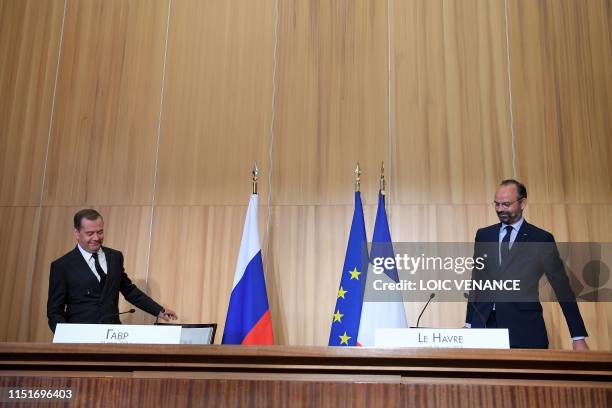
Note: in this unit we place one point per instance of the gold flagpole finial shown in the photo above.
(357, 177)
(382, 178)
(255, 176)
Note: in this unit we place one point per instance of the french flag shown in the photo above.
(248, 315)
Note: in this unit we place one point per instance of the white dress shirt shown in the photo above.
(515, 229)
(91, 261)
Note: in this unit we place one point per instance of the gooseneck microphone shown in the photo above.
(116, 314)
(433, 295)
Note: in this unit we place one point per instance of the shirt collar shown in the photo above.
(87, 254)
(516, 226)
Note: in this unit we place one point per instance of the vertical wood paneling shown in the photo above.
(331, 111)
(450, 118)
(331, 100)
(307, 249)
(18, 231)
(217, 102)
(125, 228)
(29, 41)
(193, 259)
(103, 139)
(561, 53)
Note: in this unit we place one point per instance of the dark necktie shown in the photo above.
(99, 269)
(505, 244)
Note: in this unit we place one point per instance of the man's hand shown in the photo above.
(167, 315)
(580, 345)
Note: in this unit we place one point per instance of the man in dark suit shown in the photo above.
(517, 250)
(84, 284)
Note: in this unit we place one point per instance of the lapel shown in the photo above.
(109, 269)
(79, 264)
(493, 233)
(491, 244)
(521, 237)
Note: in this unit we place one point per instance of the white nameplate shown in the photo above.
(443, 338)
(116, 333)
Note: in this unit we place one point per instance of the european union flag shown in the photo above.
(347, 314)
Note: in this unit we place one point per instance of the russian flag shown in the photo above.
(248, 315)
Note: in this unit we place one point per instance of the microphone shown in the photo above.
(117, 314)
(433, 295)
(466, 296)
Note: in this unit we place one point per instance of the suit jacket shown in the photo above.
(76, 296)
(534, 253)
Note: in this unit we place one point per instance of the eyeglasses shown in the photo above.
(506, 204)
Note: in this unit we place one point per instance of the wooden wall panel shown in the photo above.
(104, 134)
(128, 230)
(125, 228)
(16, 258)
(597, 319)
(217, 101)
(307, 249)
(439, 223)
(29, 41)
(193, 259)
(331, 112)
(451, 139)
(331, 100)
(561, 52)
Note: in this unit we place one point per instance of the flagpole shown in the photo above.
(248, 318)
(382, 178)
(346, 317)
(357, 177)
(255, 173)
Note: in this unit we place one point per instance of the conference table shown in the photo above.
(215, 375)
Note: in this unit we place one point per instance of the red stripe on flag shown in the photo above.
(261, 333)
